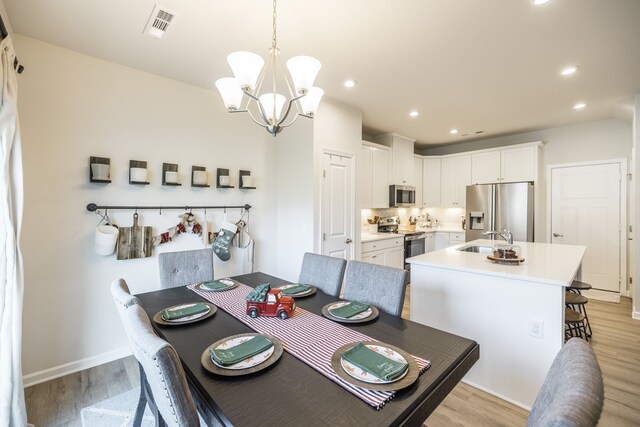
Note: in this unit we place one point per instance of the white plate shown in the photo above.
(295, 295)
(188, 318)
(368, 312)
(246, 363)
(361, 375)
(230, 284)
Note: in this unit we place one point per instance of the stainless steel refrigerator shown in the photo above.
(498, 207)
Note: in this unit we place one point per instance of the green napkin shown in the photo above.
(374, 363)
(349, 310)
(240, 352)
(214, 285)
(298, 289)
(196, 308)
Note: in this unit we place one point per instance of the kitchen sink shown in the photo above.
(478, 249)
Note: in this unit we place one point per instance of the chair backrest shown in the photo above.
(573, 392)
(162, 368)
(122, 296)
(185, 268)
(377, 285)
(323, 272)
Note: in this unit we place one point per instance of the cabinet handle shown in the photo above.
(558, 235)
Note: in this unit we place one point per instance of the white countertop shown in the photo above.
(445, 229)
(544, 262)
(372, 237)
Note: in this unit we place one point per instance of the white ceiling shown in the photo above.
(490, 65)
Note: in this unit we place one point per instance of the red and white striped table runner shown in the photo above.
(307, 336)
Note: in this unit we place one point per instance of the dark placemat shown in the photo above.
(311, 291)
(208, 364)
(160, 321)
(325, 312)
(200, 286)
(412, 374)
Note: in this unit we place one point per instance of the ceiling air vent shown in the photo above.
(159, 21)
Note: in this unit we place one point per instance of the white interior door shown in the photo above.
(586, 210)
(337, 206)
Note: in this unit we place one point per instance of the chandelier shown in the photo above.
(249, 70)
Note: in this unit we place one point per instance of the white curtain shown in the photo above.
(12, 408)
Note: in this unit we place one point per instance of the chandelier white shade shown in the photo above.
(246, 67)
(303, 70)
(271, 110)
(230, 91)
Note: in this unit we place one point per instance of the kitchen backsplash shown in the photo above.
(447, 217)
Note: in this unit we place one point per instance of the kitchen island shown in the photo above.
(514, 312)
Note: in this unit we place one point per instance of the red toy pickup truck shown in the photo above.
(264, 301)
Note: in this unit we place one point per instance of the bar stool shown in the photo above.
(576, 288)
(575, 324)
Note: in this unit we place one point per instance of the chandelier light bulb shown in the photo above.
(246, 67)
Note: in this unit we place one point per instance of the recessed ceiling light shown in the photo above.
(579, 106)
(414, 113)
(567, 71)
(349, 83)
(453, 131)
(538, 2)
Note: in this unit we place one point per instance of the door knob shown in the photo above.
(558, 235)
(348, 241)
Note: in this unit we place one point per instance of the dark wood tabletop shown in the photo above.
(292, 393)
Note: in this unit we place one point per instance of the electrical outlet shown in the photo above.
(536, 327)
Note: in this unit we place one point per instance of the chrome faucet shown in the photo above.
(506, 235)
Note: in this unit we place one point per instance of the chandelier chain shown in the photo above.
(274, 42)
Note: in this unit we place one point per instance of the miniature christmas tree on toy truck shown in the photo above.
(264, 301)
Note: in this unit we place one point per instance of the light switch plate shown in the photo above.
(536, 328)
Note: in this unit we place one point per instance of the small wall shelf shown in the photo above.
(199, 168)
(169, 167)
(100, 161)
(223, 172)
(137, 164)
(240, 175)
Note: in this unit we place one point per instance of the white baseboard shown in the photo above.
(498, 395)
(636, 315)
(75, 366)
(602, 295)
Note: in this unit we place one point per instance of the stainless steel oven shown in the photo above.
(402, 196)
(414, 244)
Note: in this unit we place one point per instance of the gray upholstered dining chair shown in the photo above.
(573, 391)
(164, 374)
(381, 286)
(185, 267)
(323, 272)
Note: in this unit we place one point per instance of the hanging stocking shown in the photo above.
(221, 246)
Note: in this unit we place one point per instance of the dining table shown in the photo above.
(292, 393)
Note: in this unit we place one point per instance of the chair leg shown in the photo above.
(142, 400)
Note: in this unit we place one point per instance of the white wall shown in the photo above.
(294, 197)
(73, 106)
(337, 127)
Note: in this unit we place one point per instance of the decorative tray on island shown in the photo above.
(506, 254)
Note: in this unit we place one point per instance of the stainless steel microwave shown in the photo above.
(402, 196)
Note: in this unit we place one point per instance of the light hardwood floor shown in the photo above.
(616, 343)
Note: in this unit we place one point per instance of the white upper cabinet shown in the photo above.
(418, 181)
(485, 167)
(505, 165)
(375, 167)
(519, 164)
(401, 157)
(431, 183)
(456, 175)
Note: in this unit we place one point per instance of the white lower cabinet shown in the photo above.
(444, 239)
(430, 242)
(388, 252)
